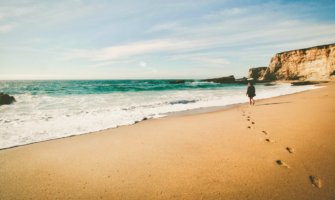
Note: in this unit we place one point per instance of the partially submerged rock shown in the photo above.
(243, 80)
(307, 83)
(269, 84)
(177, 82)
(5, 99)
(227, 79)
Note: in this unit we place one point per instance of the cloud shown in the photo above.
(47, 13)
(216, 61)
(131, 49)
(115, 35)
(6, 28)
(240, 29)
(208, 59)
(233, 11)
(18, 11)
(163, 27)
(136, 48)
(247, 33)
(229, 12)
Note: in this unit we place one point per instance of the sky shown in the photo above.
(153, 39)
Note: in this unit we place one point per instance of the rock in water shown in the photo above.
(298, 83)
(177, 82)
(6, 99)
(227, 79)
(243, 80)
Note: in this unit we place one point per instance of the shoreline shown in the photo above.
(190, 112)
(195, 111)
(217, 155)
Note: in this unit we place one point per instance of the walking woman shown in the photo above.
(251, 92)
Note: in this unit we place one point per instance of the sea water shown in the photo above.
(53, 109)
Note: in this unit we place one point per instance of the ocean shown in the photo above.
(60, 108)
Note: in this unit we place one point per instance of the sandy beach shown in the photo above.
(281, 148)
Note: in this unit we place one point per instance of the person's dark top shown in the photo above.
(251, 92)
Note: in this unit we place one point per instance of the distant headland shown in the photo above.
(311, 65)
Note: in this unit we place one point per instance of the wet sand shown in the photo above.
(281, 148)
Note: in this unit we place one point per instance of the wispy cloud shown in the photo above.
(164, 27)
(137, 48)
(209, 60)
(210, 37)
(6, 28)
(44, 13)
(229, 12)
(158, 37)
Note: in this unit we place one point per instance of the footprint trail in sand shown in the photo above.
(282, 163)
(315, 181)
(269, 140)
(290, 149)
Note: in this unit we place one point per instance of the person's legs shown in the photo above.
(251, 101)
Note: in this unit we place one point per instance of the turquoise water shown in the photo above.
(53, 109)
(83, 87)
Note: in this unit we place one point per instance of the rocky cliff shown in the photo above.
(257, 72)
(315, 63)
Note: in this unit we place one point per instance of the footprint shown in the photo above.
(248, 119)
(282, 163)
(268, 140)
(252, 122)
(249, 126)
(290, 149)
(264, 132)
(316, 182)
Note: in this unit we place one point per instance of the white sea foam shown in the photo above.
(35, 118)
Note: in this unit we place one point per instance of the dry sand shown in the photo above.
(285, 151)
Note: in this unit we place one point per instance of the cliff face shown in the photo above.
(315, 63)
(257, 72)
